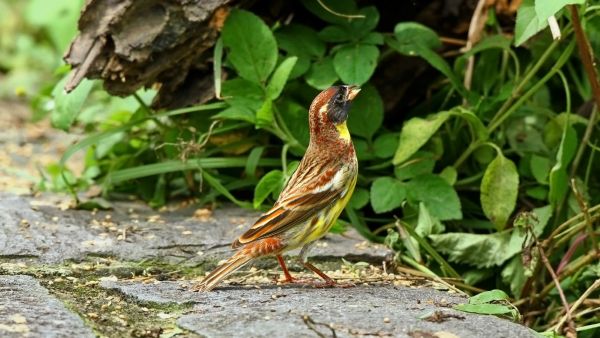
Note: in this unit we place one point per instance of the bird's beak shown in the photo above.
(352, 92)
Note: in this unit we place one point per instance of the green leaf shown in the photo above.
(280, 77)
(366, 113)
(488, 297)
(545, 9)
(362, 26)
(359, 199)
(296, 116)
(252, 45)
(242, 93)
(485, 309)
(439, 197)
(528, 23)
(540, 168)
(321, 74)
(355, 63)
(239, 113)
(385, 145)
(373, 38)
(409, 35)
(415, 133)
(68, 106)
(387, 194)
(335, 34)
(269, 184)
(480, 132)
(338, 6)
(420, 163)
(513, 274)
(558, 174)
(426, 225)
(499, 190)
(264, 116)
(480, 250)
(449, 174)
(253, 159)
(300, 40)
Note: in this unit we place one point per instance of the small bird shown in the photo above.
(313, 198)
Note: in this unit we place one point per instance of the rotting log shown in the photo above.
(130, 44)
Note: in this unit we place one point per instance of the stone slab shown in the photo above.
(40, 230)
(296, 311)
(28, 310)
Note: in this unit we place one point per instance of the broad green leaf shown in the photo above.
(479, 130)
(280, 77)
(264, 116)
(485, 309)
(68, 106)
(387, 194)
(253, 159)
(359, 199)
(513, 274)
(373, 38)
(366, 113)
(269, 184)
(488, 297)
(300, 40)
(545, 9)
(480, 250)
(355, 63)
(558, 174)
(415, 133)
(321, 74)
(449, 174)
(239, 113)
(528, 23)
(385, 145)
(335, 34)
(252, 46)
(295, 117)
(363, 26)
(439, 197)
(426, 225)
(499, 190)
(489, 42)
(420, 163)
(411, 34)
(540, 168)
(363, 150)
(242, 93)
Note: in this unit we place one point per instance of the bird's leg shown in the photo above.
(329, 282)
(288, 276)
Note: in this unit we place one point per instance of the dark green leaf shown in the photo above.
(300, 40)
(252, 46)
(420, 163)
(415, 133)
(355, 63)
(540, 168)
(335, 34)
(243, 93)
(387, 194)
(366, 113)
(280, 77)
(558, 174)
(439, 197)
(411, 34)
(499, 190)
(296, 118)
(359, 199)
(385, 145)
(68, 106)
(321, 74)
(271, 183)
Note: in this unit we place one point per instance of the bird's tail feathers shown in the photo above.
(234, 263)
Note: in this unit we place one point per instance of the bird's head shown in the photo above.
(329, 112)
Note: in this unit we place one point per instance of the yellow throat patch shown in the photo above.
(343, 130)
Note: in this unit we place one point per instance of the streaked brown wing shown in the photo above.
(295, 205)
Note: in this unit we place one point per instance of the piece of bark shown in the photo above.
(131, 44)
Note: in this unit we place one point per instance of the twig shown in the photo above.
(576, 304)
(348, 16)
(587, 58)
(311, 324)
(474, 34)
(567, 256)
(586, 214)
(571, 332)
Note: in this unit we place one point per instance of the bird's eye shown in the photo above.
(339, 99)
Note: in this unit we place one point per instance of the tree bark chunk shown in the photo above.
(131, 44)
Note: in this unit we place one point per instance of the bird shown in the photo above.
(313, 197)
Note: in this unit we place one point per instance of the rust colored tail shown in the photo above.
(222, 271)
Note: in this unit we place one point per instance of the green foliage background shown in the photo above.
(469, 187)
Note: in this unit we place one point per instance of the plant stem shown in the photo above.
(587, 58)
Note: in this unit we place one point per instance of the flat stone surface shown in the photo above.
(40, 229)
(291, 311)
(28, 310)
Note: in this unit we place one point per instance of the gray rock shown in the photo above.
(28, 310)
(38, 230)
(296, 311)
